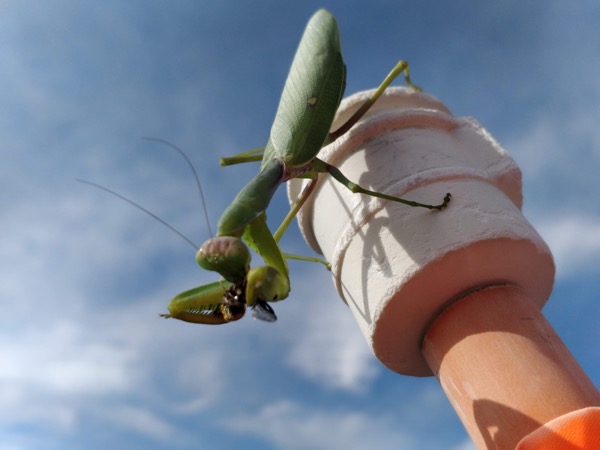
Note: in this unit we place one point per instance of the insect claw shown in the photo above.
(447, 199)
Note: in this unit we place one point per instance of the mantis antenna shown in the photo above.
(193, 169)
(141, 208)
(150, 213)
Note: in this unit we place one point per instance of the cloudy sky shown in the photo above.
(85, 361)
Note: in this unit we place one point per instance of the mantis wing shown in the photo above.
(311, 95)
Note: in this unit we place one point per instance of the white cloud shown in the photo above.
(327, 346)
(332, 351)
(574, 242)
(290, 426)
(559, 156)
(201, 375)
(535, 149)
(466, 445)
(50, 372)
(141, 420)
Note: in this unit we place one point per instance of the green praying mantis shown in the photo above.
(310, 99)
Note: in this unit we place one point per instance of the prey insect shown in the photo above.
(310, 99)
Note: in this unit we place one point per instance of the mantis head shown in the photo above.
(227, 255)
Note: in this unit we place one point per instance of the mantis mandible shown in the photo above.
(311, 95)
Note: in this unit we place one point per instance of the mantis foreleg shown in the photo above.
(212, 304)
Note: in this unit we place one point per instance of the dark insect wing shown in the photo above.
(263, 311)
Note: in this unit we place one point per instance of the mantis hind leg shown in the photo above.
(212, 304)
(296, 207)
(400, 67)
(256, 154)
(306, 192)
(339, 176)
(308, 259)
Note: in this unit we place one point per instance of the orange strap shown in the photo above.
(577, 430)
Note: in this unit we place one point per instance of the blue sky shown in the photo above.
(85, 361)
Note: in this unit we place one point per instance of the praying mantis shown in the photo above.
(310, 98)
